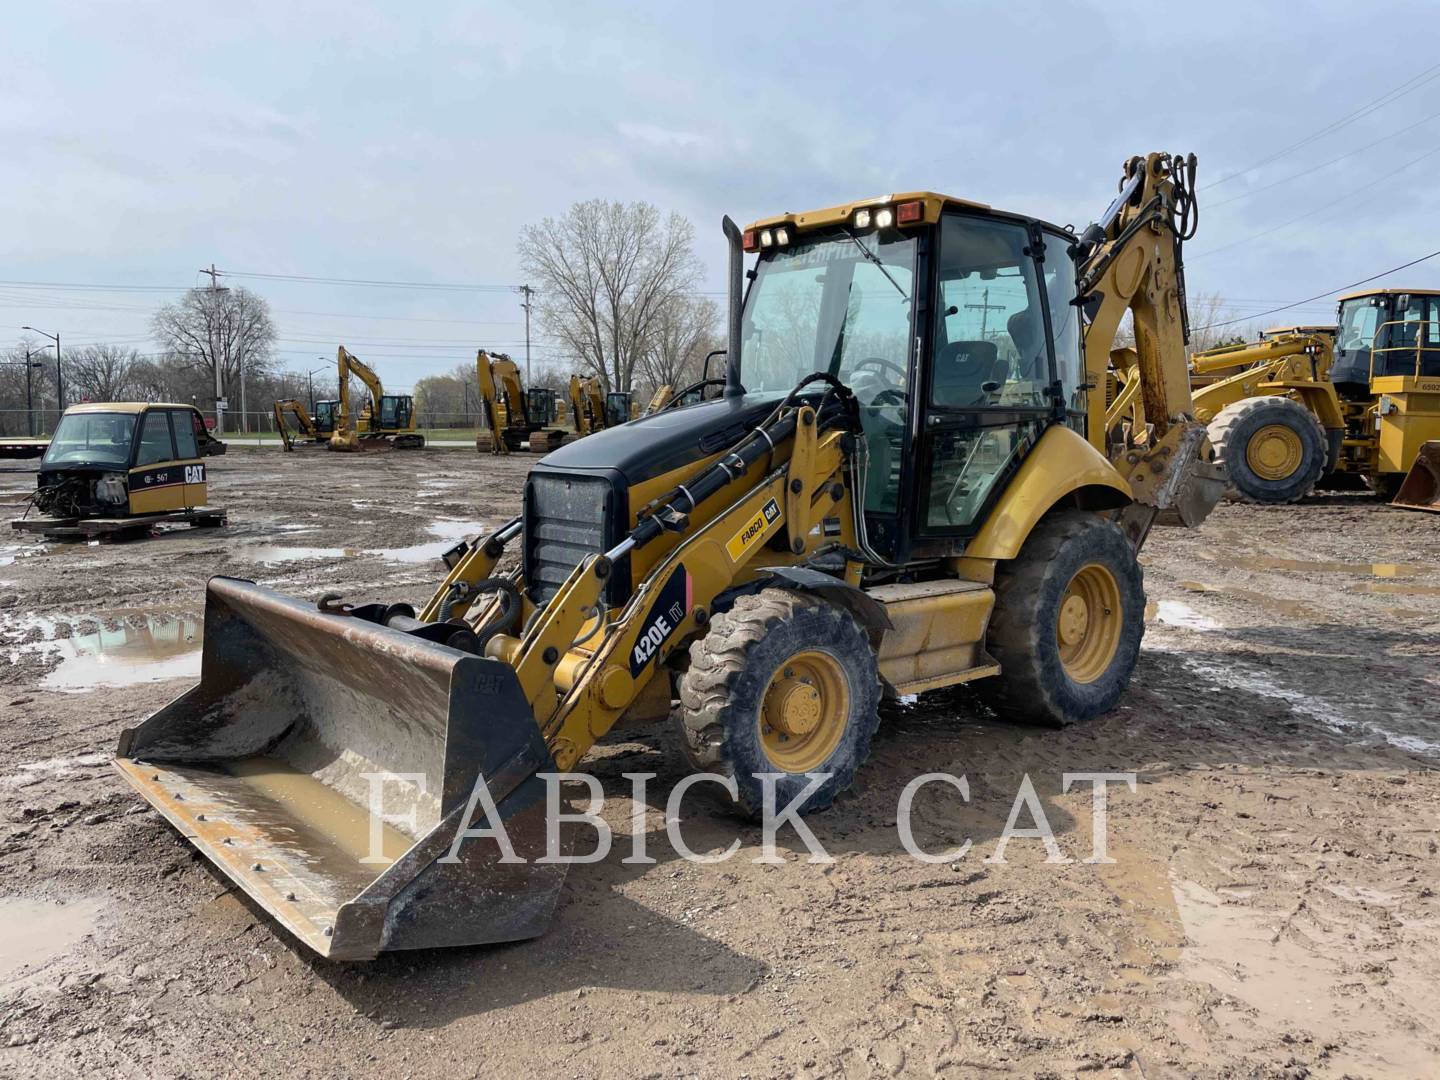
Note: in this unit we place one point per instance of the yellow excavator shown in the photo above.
(594, 409)
(516, 418)
(386, 421)
(905, 484)
(307, 430)
(1309, 405)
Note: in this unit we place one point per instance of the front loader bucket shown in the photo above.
(1421, 489)
(267, 766)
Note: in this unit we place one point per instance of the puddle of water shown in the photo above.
(163, 648)
(10, 552)
(1275, 603)
(33, 932)
(1175, 613)
(1270, 562)
(1288, 982)
(1404, 588)
(447, 533)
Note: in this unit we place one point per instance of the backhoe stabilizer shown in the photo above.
(303, 721)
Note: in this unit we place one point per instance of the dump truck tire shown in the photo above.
(1069, 615)
(781, 683)
(1273, 448)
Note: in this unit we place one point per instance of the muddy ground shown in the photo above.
(1272, 909)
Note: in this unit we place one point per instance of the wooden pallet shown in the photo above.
(98, 528)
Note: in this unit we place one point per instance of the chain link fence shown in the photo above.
(253, 427)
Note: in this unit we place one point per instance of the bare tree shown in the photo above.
(608, 272)
(687, 329)
(102, 372)
(228, 328)
(1207, 310)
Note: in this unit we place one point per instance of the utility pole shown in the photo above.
(985, 307)
(220, 402)
(526, 290)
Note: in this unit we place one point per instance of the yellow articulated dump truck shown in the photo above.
(905, 484)
(1309, 406)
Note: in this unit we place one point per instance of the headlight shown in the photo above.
(110, 489)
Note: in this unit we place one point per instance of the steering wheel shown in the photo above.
(880, 362)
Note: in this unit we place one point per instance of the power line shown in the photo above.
(1318, 209)
(1409, 86)
(368, 283)
(1321, 296)
(1322, 165)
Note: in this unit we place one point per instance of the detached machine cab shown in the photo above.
(516, 418)
(115, 469)
(906, 484)
(1323, 404)
(387, 420)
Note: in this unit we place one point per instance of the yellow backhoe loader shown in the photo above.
(516, 418)
(307, 430)
(1311, 405)
(905, 485)
(387, 420)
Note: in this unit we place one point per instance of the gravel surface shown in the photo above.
(1271, 909)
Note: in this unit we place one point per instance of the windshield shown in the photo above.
(91, 438)
(836, 302)
(1358, 320)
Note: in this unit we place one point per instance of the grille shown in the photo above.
(566, 518)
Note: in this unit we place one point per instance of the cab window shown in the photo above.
(1060, 289)
(991, 348)
(185, 434)
(155, 443)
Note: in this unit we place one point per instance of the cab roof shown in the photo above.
(1388, 292)
(125, 406)
(932, 201)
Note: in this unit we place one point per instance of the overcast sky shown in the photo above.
(408, 142)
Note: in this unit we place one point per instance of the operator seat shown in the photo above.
(1028, 334)
(962, 368)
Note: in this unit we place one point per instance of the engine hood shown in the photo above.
(667, 440)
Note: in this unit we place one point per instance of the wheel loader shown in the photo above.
(1306, 406)
(905, 484)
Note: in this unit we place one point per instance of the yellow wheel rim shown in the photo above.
(804, 711)
(1091, 618)
(1274, 452)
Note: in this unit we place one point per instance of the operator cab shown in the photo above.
(1389, 333)
(325, 414)
(396, 411)
(541, 406)
(617, 408)
(952, 323)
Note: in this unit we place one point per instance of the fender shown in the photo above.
(868, 611)
(1062, 463)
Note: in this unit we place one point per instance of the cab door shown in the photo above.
(989, 390)
(188, 456)
(157, 481)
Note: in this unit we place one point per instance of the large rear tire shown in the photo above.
(1069, 615)
(1273, 448)
(781, 683)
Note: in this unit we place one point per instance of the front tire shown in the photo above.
(1069, 615)
(782, 683)
(1273, 448)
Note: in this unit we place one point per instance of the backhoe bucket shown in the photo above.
(269, 764)
(1421, 489)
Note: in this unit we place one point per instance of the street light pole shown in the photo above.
(310, 375)
(59, 371)
(30, 366)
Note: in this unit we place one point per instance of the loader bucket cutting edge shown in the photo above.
(266, 766)
(1421, 489)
